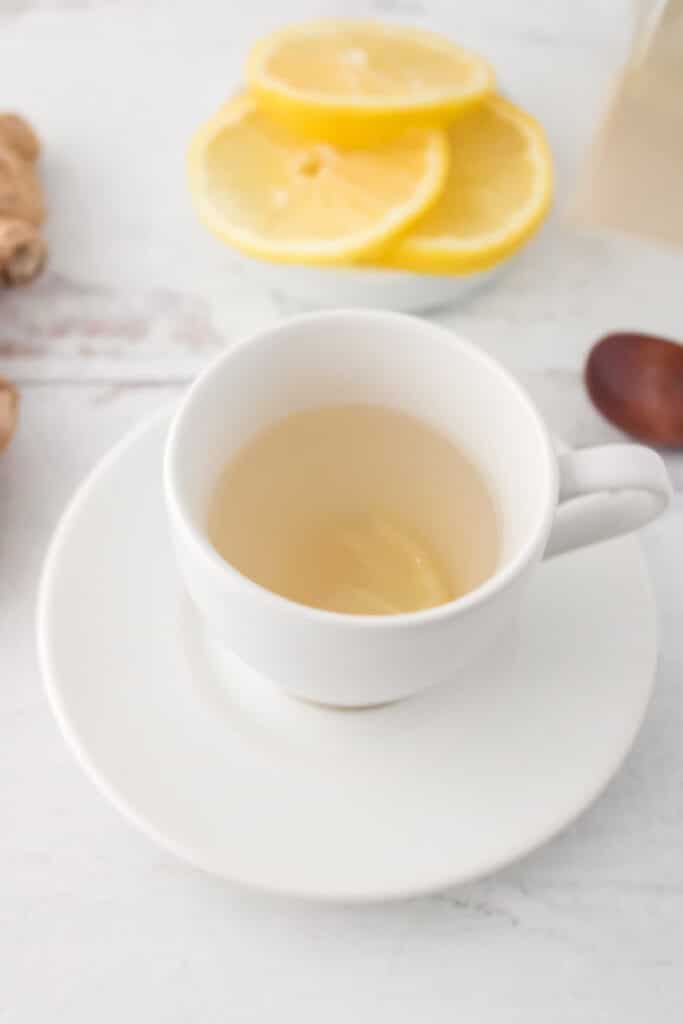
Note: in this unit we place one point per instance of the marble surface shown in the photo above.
(95, 922)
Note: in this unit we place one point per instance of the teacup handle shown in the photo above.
(605, 492)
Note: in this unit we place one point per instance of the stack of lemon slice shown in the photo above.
(357, 142)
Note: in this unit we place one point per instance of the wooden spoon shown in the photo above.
(636, 381)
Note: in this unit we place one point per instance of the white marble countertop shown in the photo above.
(95, 922)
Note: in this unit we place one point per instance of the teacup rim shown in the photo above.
(499, 580)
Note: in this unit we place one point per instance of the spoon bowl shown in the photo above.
(636, 382)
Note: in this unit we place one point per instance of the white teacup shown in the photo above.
(548, 504)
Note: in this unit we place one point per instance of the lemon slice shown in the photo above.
(358, 601)
(498, 191)
(355, 82)
(280, 199)
(386, 570)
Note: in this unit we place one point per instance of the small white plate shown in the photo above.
(367, 287)
(230, 774)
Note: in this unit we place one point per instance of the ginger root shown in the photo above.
(9, 405)
(22, 249)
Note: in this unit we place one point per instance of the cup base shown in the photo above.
(213, 659)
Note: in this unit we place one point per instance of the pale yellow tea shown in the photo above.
(356, 508)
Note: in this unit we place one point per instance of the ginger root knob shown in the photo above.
(9, 405)
(17, 134)
(22, 250)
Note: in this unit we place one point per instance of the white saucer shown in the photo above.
(233, 776)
